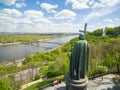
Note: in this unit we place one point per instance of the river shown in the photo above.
(19, 51)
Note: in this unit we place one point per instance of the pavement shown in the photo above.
(107, 82)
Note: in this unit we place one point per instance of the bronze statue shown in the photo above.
(79, 59)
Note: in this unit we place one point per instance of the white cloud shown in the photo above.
(20, 5)
(98, 25)
(10, 12)
(32, 21)
(91, 2)
(23, 4)
(50, 8)
(101, 8)
(41, 24)
(117, 19)
(109, 2)
(33, 14)
(78, 4)
(8, 2)
(65, 14)
(112, 20)
(106, 3)
(99, 12)
(108, 20)
(84, 4)
(98, 5)
(9, 18)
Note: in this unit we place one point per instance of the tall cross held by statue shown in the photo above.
(85, 28)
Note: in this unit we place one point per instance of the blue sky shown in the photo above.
(57, 15)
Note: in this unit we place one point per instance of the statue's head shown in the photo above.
(81, 36)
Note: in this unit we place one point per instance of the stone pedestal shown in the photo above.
(76, 84)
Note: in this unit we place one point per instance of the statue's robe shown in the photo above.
(79, 60)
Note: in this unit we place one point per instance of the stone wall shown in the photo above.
(18, 63)
(26, 75)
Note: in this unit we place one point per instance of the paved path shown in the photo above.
(107, 82)
(34, 82)
(29, 84)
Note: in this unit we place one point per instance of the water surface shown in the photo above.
(16, 52)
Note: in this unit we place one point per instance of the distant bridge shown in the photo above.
(50, 42)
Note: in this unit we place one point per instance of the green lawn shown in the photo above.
(43, 83)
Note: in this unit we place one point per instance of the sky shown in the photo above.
(45, 16)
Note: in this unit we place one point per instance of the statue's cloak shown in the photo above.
(79, 60)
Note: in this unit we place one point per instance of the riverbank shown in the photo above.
(16, 43)
(18, 62)
(11, 39)
(6, 44)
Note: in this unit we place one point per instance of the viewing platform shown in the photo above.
(106, 82)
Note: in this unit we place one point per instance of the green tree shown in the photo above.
(43, 71)
(4, 85)
(109, 62)
(112, 54)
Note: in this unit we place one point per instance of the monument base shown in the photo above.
(76, 84)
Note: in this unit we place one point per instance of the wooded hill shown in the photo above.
(112, 32)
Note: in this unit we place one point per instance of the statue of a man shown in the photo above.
(79, 59)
